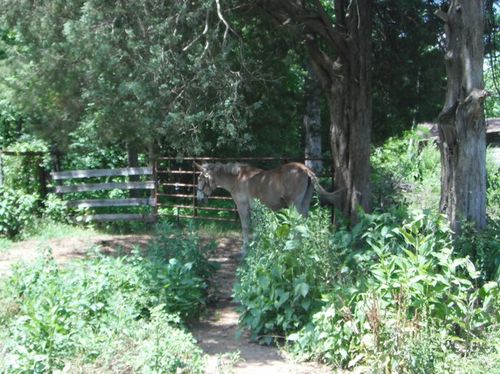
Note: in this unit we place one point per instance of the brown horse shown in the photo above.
(291, 184)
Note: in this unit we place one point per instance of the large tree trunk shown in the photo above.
(312, 124)
(346, 78)
(347, 82)
(350, 106)
(462, 131)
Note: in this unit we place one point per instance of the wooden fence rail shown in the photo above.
(108, 203)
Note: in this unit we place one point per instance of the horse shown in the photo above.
(291, 184)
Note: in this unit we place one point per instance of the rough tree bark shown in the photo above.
(340, 53)
(462, 131)
(312, 123)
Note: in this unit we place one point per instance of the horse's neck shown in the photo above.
(226, 181)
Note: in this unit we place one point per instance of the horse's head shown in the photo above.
(206, 183)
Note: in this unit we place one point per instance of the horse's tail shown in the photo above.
(334, 198)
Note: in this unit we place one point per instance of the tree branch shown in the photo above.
(316, 21)
(221, 17)
(441, 14)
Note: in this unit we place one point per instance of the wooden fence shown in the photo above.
(70, 176)
(172, 188)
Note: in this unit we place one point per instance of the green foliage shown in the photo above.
(482, 248)
(416, 301)
(55, 209)
(186, 246)
(493, 186)
(492, 103)
(62, 317)
(396, 297)
(281, 282)
(153, 347)
(23, 172)
(406, 171)
(409, 89)
(10, 122)
(483, 359)
(16, 211)
(140, 72)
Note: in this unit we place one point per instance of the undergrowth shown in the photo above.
(123, 314)
(394, 297)
(396, 293)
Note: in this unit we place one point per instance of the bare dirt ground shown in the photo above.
(217, 333)
(65, 249)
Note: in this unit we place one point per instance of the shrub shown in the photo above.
(284, 274)
(58, 313)
(55, 209)
(153, 346)
(482, 248)
(416, 300)
(22, 173)
(16, 211)
(493, 187)
(406, 171)
(186, 246)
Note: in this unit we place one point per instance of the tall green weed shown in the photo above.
(284, 274)
(414, 302)
(104, 313)
(17, 210)
(392, 296)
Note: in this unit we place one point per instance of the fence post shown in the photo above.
(42, 178)
(1, 169)
(195, 211)
(154, 192)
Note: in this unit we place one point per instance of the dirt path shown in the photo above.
(216, 333)
(65, 249)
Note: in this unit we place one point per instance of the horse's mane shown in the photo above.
(233, 168)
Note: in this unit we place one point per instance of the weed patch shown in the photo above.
(103, 314)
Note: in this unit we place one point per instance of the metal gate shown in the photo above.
(177, 179)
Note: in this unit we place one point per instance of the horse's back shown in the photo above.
(279, 188)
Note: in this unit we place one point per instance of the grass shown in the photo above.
(47, 230)
(5, 244)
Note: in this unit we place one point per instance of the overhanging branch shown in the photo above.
(316, 21)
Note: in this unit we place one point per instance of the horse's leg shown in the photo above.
(244, 213)
(303, 201)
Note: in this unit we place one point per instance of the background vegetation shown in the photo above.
(121, 314)
(396, 293)
(90, 83)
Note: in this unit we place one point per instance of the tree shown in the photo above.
(492, 63)
(408, 74)
(312, 123)
(340, 49)
(462, 132)
(137, 72)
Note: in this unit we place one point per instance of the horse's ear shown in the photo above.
(198, 166)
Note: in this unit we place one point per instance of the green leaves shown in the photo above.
(397, 298)
(16, 211)
(124, 310)
(135, 71)
(280, 285)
